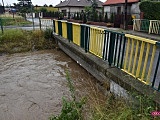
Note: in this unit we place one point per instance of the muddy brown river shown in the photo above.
(32, 84)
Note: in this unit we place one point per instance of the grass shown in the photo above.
(17, 40)
(110, 107)
(7, 19)
(72, 109)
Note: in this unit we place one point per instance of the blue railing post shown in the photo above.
(123, 50)
(60, 28)
(111, 48)
(69, 31)
(85, 36)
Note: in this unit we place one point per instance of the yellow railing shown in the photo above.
(154, 26)
(96, 41)
(136, 24)
(76, 33)
(64, 29)
(139, 57)
(56, 26)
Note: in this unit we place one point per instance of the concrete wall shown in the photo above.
(108, 76)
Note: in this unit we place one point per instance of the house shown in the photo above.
(72, 6)
(118, 7)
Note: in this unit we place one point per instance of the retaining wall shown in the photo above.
(104, 73)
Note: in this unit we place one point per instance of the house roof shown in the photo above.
(78, 3)
(112, 2)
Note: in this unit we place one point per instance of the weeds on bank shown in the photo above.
(99, 107)
(71, 109)
(17, 40)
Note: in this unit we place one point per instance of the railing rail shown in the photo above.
(154, 26)
(140, 53)
(150, 26)
(46, 23)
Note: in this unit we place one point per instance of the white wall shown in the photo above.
(72, 9)
(135, 9)
(108, 10)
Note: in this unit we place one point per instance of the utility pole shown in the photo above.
(3, 6)
(32, 14)
(125, 16)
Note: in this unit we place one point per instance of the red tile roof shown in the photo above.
(111, 2)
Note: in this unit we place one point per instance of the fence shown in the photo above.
(150, 26)
(46, 23)
(137, 56)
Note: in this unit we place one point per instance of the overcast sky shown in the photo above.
(37, 2)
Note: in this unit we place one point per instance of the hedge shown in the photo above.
(151, 10)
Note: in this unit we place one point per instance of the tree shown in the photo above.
(88, 11)
(100, 17)
(24, 6)
(84, 18)
(50, 5)
(45, 5)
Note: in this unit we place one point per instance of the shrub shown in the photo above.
(112, 18)
(43, 9)
(151, 10)
(84, 18)
(106, 17)
(16, 40)
(100, 17)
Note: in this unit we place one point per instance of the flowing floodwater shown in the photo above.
(32, 84)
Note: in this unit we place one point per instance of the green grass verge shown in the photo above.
(17, 40)
(8, 19)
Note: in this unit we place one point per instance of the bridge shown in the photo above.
(131, 61)
(136, 57)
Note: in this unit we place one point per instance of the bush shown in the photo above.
(151, 10)
(43, 9)
(95, 17)
(48, 33)
(100, 17)
(16, 40)
(112, 18)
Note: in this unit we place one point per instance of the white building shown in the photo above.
(72, 6)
